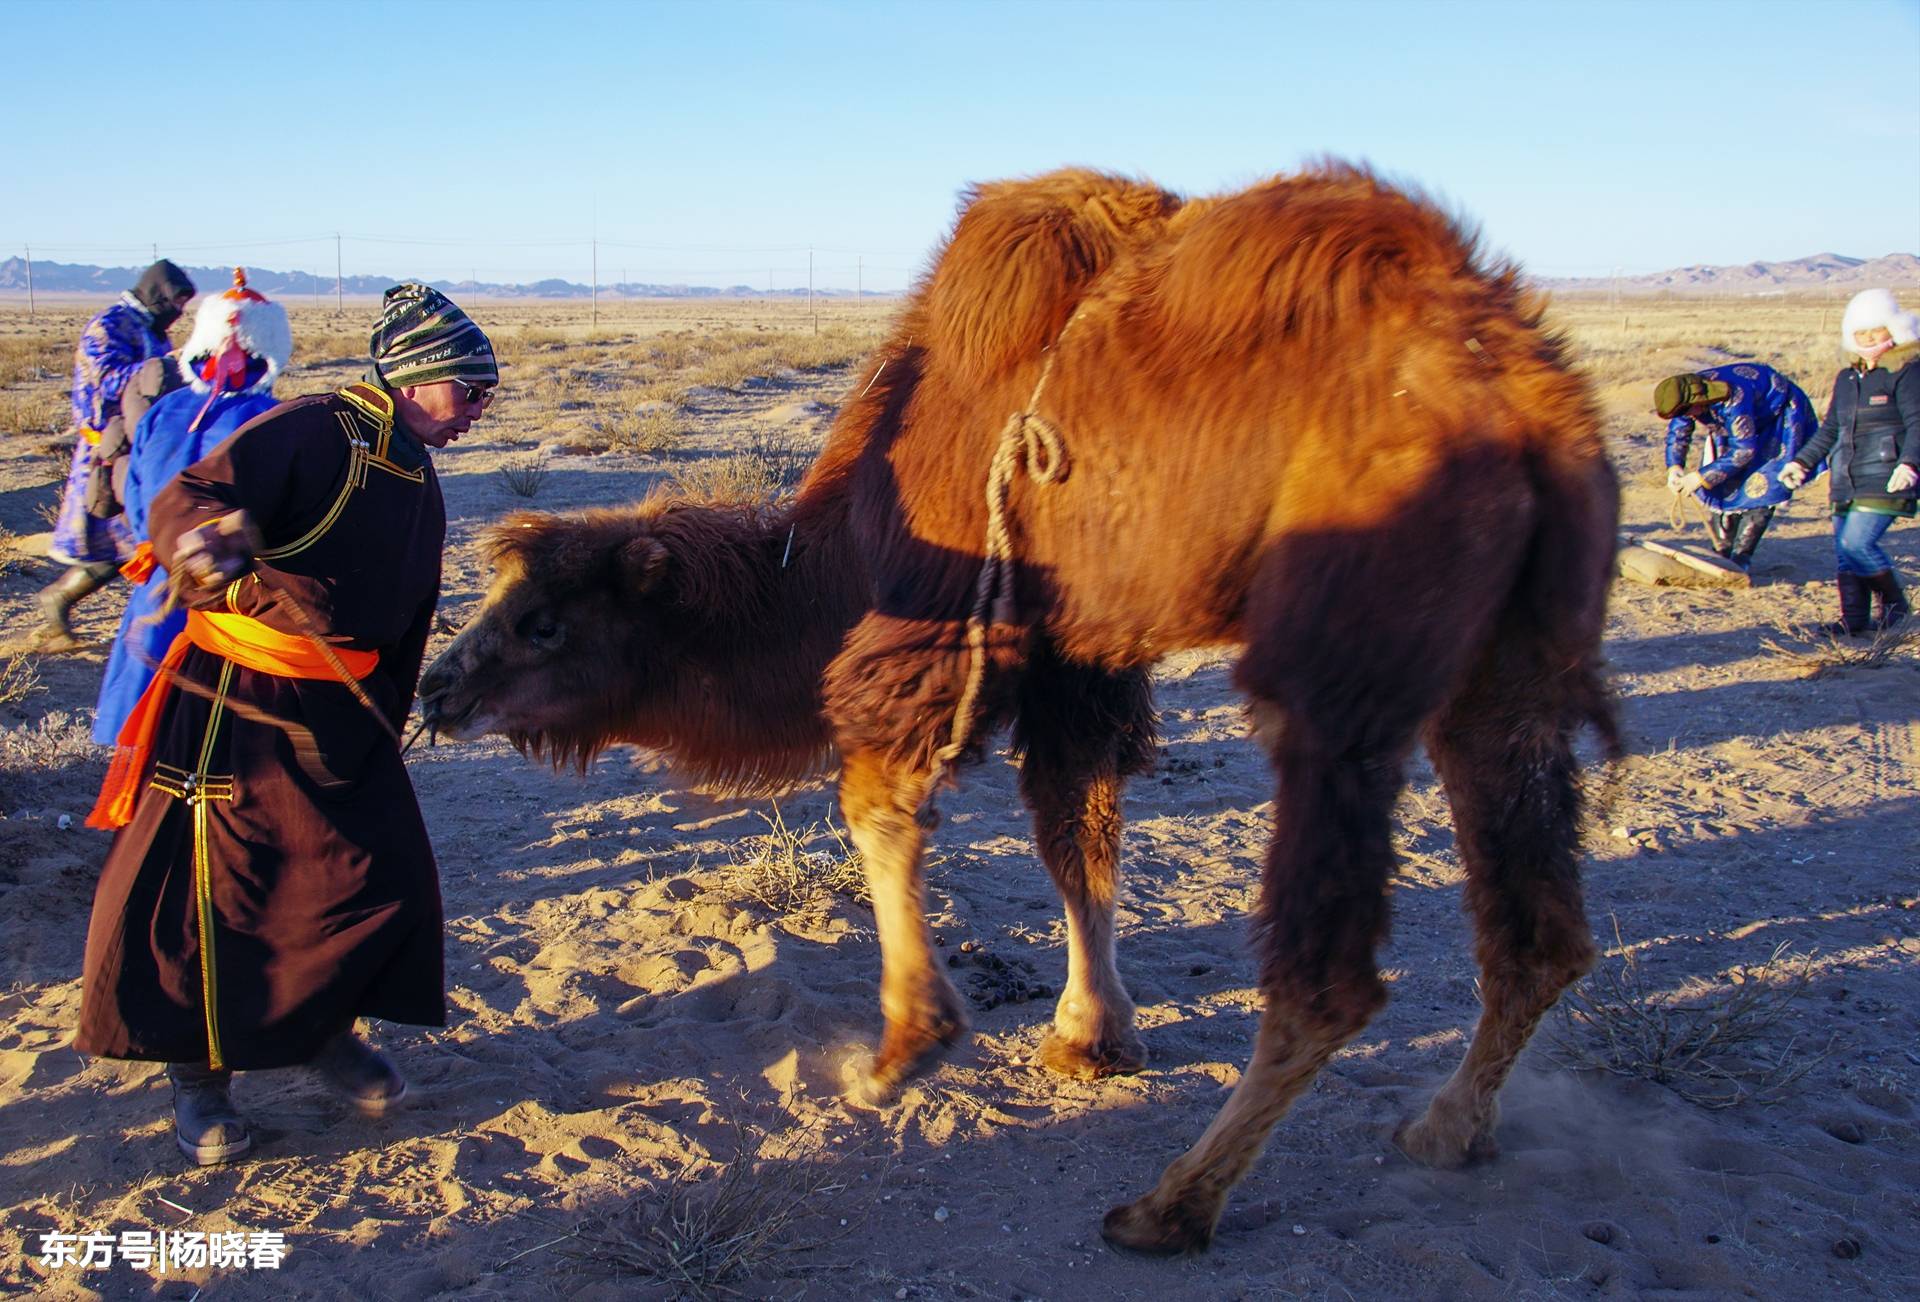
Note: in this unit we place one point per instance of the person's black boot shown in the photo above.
(1892, 602)
(1722, 528)
(57, 600)
(1853, 619)
(366, 1077)
(205, 1124)
(1753, 527)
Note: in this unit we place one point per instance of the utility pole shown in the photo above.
(29, 282)
(593, 290)
(338, 292)
(156, 252)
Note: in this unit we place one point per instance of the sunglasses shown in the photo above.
(472, 393)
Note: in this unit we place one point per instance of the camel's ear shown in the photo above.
(641, 564)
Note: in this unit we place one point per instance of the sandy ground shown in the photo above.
(622, 1002)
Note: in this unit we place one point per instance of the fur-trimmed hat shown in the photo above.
(1865, 310)
(1676, 393)
(241, 319)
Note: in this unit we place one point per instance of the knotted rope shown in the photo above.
(1030, 442)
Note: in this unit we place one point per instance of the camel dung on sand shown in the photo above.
(1306, 419)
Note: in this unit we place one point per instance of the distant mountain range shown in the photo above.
(1819, 272)
(74, 278)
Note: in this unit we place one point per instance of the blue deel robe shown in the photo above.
(1749, 437)
(111, 349)
(162, 448)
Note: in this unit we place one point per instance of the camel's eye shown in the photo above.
(540, 628)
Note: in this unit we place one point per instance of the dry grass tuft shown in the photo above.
(793, 871)
(24, 359)
(1701, 1041)
(649, 429)
(524, 476)
(34, 412)
(18, 680)
(1826, 653)
(711, 1225)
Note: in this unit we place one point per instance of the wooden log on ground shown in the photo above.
(1673, 567)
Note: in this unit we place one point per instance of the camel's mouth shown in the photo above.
(463, 724)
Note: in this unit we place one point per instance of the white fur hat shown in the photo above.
(1867, 309)
(1905, 328)
(244, 317)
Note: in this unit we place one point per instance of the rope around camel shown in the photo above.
(1031, 442)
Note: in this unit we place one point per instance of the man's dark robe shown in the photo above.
(276, 882)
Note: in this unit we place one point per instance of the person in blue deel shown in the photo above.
(1754, 420)
(240, 344)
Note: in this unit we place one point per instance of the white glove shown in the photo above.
(1903, 477)
(1792, 475)
(1689, 482)
(1674, 477)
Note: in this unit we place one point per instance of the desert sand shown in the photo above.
(651, 985)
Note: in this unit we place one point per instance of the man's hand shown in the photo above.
(1689, 482)
(1675, 476)
(219, 551)
(1792, 476)
(1903, 477)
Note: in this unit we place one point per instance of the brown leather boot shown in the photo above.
(57, 600)
(205, 1124)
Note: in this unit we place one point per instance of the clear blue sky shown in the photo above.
(713, 143)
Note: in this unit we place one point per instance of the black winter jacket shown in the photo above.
(1872, 425)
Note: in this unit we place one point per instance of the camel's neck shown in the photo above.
(760, 603)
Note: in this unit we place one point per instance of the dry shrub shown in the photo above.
(649, 429)
(18, 680)
(535, 339)
(794, 871)
(1827, 653)
(712, 1224)
(743, 479)
(43, 412)
(524, 476)
(730, 370)
(28, 358)
(1702, 1041)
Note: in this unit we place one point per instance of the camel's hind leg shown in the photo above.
(1322, 911)
(924, 1016)
(1504, 752)
(1083, 731)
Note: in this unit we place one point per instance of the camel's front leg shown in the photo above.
(924, 1015)
(1082, 731)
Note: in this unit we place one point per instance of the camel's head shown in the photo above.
(558, 657)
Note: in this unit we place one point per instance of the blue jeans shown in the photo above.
(1856, 542)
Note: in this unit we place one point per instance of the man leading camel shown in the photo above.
(272, 880)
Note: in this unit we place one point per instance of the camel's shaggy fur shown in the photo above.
(1305, 419)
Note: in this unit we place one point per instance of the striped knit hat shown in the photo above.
(423, 338)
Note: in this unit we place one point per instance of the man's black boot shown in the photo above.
(365, 1076)
(205, 1124)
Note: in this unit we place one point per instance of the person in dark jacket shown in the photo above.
(1754, 419)
(1870, 439)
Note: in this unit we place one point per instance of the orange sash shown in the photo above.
(239, 638)
(140, 566)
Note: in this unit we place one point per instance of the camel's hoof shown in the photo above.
(1114, 1056)
(1137, 1227)
(901, 1058)
(1445, 1148)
